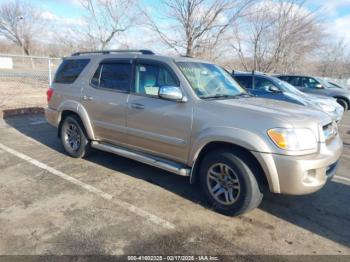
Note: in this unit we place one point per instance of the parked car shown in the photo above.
(316, 85)
(266, 86)
(191, 118)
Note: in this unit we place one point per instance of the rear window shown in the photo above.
(69, 70)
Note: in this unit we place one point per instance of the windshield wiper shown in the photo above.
(218, 96)
(223, 96)
(244, 95)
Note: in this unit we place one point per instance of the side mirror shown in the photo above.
(274, 89)
(319, 86)
(172, 93)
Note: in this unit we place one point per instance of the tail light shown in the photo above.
(49, 94)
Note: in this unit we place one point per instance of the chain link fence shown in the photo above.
(25, 79)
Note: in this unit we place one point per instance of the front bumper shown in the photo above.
(300, 175)
(337, 115)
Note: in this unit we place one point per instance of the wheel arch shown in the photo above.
(81, 113)
(214, 145)
(343, 98)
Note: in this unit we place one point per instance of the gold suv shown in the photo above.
(191, 118)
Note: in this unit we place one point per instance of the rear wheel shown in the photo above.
(228, 183)
(343, 103)
(73, 137)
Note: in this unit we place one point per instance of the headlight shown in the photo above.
(326, 107)
(293, 139)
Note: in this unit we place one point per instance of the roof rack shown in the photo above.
(142, 51)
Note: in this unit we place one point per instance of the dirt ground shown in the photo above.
(22, 94)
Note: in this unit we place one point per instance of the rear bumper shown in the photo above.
(52, 116)
(300, 175)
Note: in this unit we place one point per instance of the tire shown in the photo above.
(73, 137)
(235, 177)
(343, 103)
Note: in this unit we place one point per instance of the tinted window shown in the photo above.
(115, 76)
(263, 83)
(69, 70)
(245, 81)
(309, 82)
(294, 80)
(150, 77)
(96, 78)
(284, 78)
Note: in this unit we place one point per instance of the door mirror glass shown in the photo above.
(273, 89)
(173, 93)
(319, 86)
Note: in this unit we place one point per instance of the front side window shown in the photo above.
(209, 80)
(69, 70)
(263, 84)
(114, 76)
(309, 82)
(148, 79)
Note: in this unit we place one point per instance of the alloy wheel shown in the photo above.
(72, 136)
(223, 184)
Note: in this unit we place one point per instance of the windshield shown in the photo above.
(210, 81)
(334, 85)
(323, 82)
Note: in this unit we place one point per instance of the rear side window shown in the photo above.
(244, 81)
(69, 70)
(284, 78)
(114, 76)
(294, 80)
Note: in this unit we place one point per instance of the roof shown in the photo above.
(132, 54)
(249, 73)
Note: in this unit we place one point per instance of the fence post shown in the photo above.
(50, 76)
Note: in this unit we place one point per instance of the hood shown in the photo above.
(299, 98)
(322, 99)
(268, 108)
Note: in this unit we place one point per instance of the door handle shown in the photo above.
(137, 106)
(87, 98)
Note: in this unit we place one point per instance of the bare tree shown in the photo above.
(333, 59)
(194, 26)
(107, 18)
(276, 36)
(20, 23)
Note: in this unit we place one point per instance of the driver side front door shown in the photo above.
(154, 125)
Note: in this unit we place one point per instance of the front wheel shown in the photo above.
(73, 137)
(343, 103)
(228, 183)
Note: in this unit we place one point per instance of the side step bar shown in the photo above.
(167, 165)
